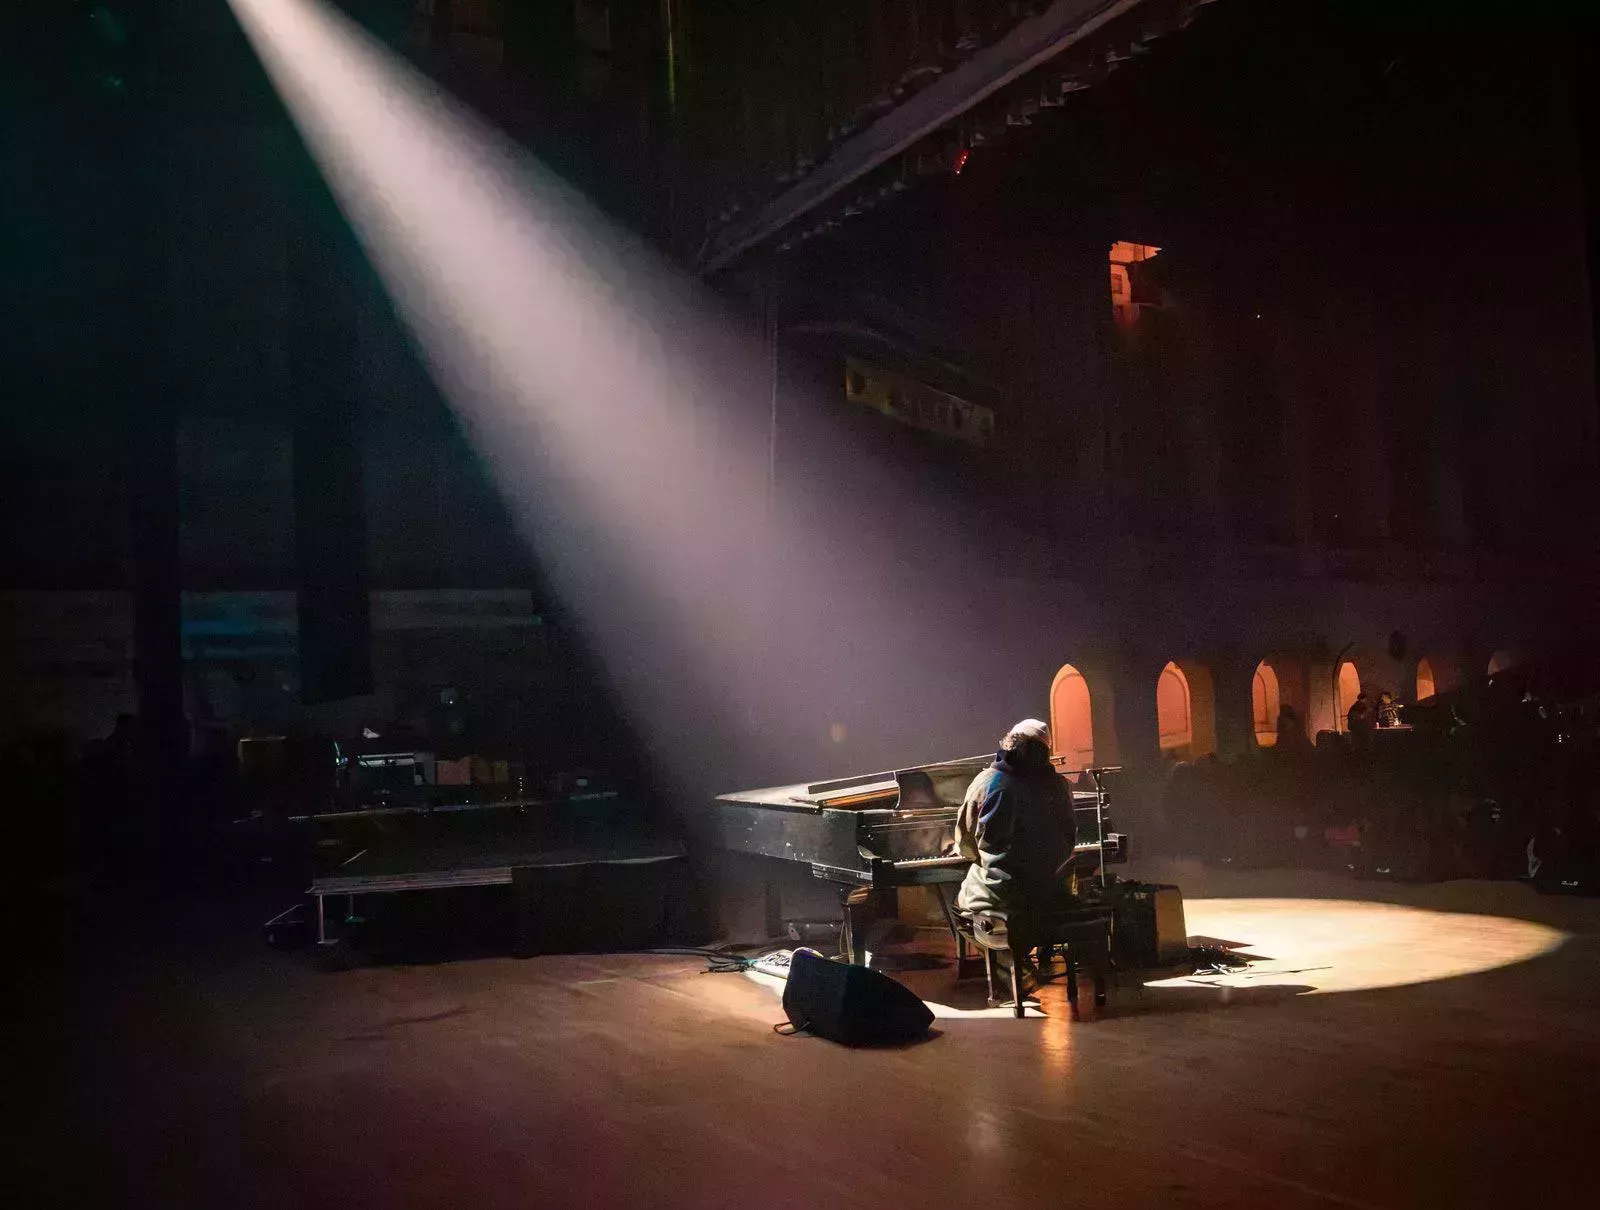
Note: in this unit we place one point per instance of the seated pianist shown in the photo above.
(1016, 827)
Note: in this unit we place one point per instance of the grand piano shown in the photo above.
(873, 834)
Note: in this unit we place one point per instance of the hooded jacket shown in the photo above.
(1015, 826)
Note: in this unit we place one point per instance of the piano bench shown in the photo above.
(1081, 935)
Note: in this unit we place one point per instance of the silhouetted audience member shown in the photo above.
(1292, 737)
(1361, 720)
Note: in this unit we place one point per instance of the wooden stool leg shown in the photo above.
(1016, 985)
(988, 970)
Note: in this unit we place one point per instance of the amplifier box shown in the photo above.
(1149, 926)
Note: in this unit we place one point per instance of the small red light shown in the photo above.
(961, 159)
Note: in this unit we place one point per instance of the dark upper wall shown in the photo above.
(131, 286)
(1373, 242)
(1398, 201)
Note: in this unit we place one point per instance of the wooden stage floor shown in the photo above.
(1397, 1046)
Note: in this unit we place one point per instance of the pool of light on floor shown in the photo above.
(1327, 945)
(1299, 946)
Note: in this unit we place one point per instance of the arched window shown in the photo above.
(1349, 688)
(1173, 717)
(1264, 704)
(1071, 719)
(1425, 687)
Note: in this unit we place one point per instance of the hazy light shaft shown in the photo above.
(622, 413)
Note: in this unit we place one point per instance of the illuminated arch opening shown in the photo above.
(1500, 661)
(1425, 683)
(1265, 701)
(1346, 690)
(1174, 711)
(1072, 718)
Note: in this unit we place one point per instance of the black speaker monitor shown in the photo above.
(851, 1004)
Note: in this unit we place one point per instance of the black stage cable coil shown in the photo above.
(718, 961)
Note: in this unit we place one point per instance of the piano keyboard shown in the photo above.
(931, 863)
(943, 863)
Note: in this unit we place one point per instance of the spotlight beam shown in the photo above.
(621, 413)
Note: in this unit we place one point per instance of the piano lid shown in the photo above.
(940, 784)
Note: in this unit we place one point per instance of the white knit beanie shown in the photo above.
(1028, 728)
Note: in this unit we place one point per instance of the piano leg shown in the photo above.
(862, 907)
(773, 905)
(885, 902)
(859, 909)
